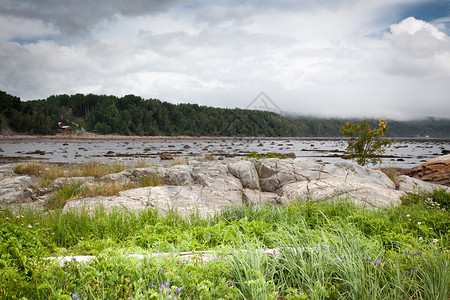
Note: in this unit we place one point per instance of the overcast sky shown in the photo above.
(328, 58)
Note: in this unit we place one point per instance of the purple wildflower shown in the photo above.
(378, 261)
(369, 260)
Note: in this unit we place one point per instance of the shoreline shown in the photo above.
(98, 137)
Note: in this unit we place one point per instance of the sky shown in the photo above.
(324, 58)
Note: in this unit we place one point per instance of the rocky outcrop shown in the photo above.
(14, 188)
(411, 185)
(209, 186)
(246, 172)
(436, 170)
(182, 199)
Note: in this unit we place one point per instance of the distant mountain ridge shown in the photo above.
(133, 115)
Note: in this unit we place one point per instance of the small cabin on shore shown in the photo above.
(64, 127)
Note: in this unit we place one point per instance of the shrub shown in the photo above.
(369, 143)
(439, 199)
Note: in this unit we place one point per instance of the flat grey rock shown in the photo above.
(209, 186)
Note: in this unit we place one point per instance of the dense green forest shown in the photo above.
(133, 115)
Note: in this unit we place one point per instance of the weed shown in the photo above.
(257, 155)
(320, 251)
(438, 199)
(67, 192)
(150, 180)
(392, 173)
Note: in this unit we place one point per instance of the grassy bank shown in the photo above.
(325, 251)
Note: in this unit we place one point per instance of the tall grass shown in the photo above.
(48, 172)
(324, 251)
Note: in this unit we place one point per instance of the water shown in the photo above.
(408, 154)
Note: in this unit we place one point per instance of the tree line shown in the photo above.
(133, 115)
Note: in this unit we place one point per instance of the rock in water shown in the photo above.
(166, 156)
(437, 170)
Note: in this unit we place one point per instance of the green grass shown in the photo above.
(325, 251)
(257, 155)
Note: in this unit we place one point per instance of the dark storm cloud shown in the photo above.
(79, 16)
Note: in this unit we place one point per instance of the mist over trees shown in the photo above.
(133, 115)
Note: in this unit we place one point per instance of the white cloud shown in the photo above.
(412, 26)
(308, 58)
(416, 48)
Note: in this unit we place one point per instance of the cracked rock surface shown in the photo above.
(206, 187)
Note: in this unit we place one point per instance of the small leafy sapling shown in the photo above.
(367, 144)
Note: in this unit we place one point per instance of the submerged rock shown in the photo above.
(166, 156)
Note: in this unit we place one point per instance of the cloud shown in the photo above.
(308, 58)
(79, 17)
(417, 48)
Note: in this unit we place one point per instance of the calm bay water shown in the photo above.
(408, 154)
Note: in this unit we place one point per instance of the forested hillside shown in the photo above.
(133, 115)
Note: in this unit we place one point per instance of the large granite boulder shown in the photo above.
(216, 176)
(178, 175)
(253, 197)
(436, 170)
(411, 185)
(343, 180)
(209, 186)
(246, 172)
(17, 189)
(181, 199)
(7, 171)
